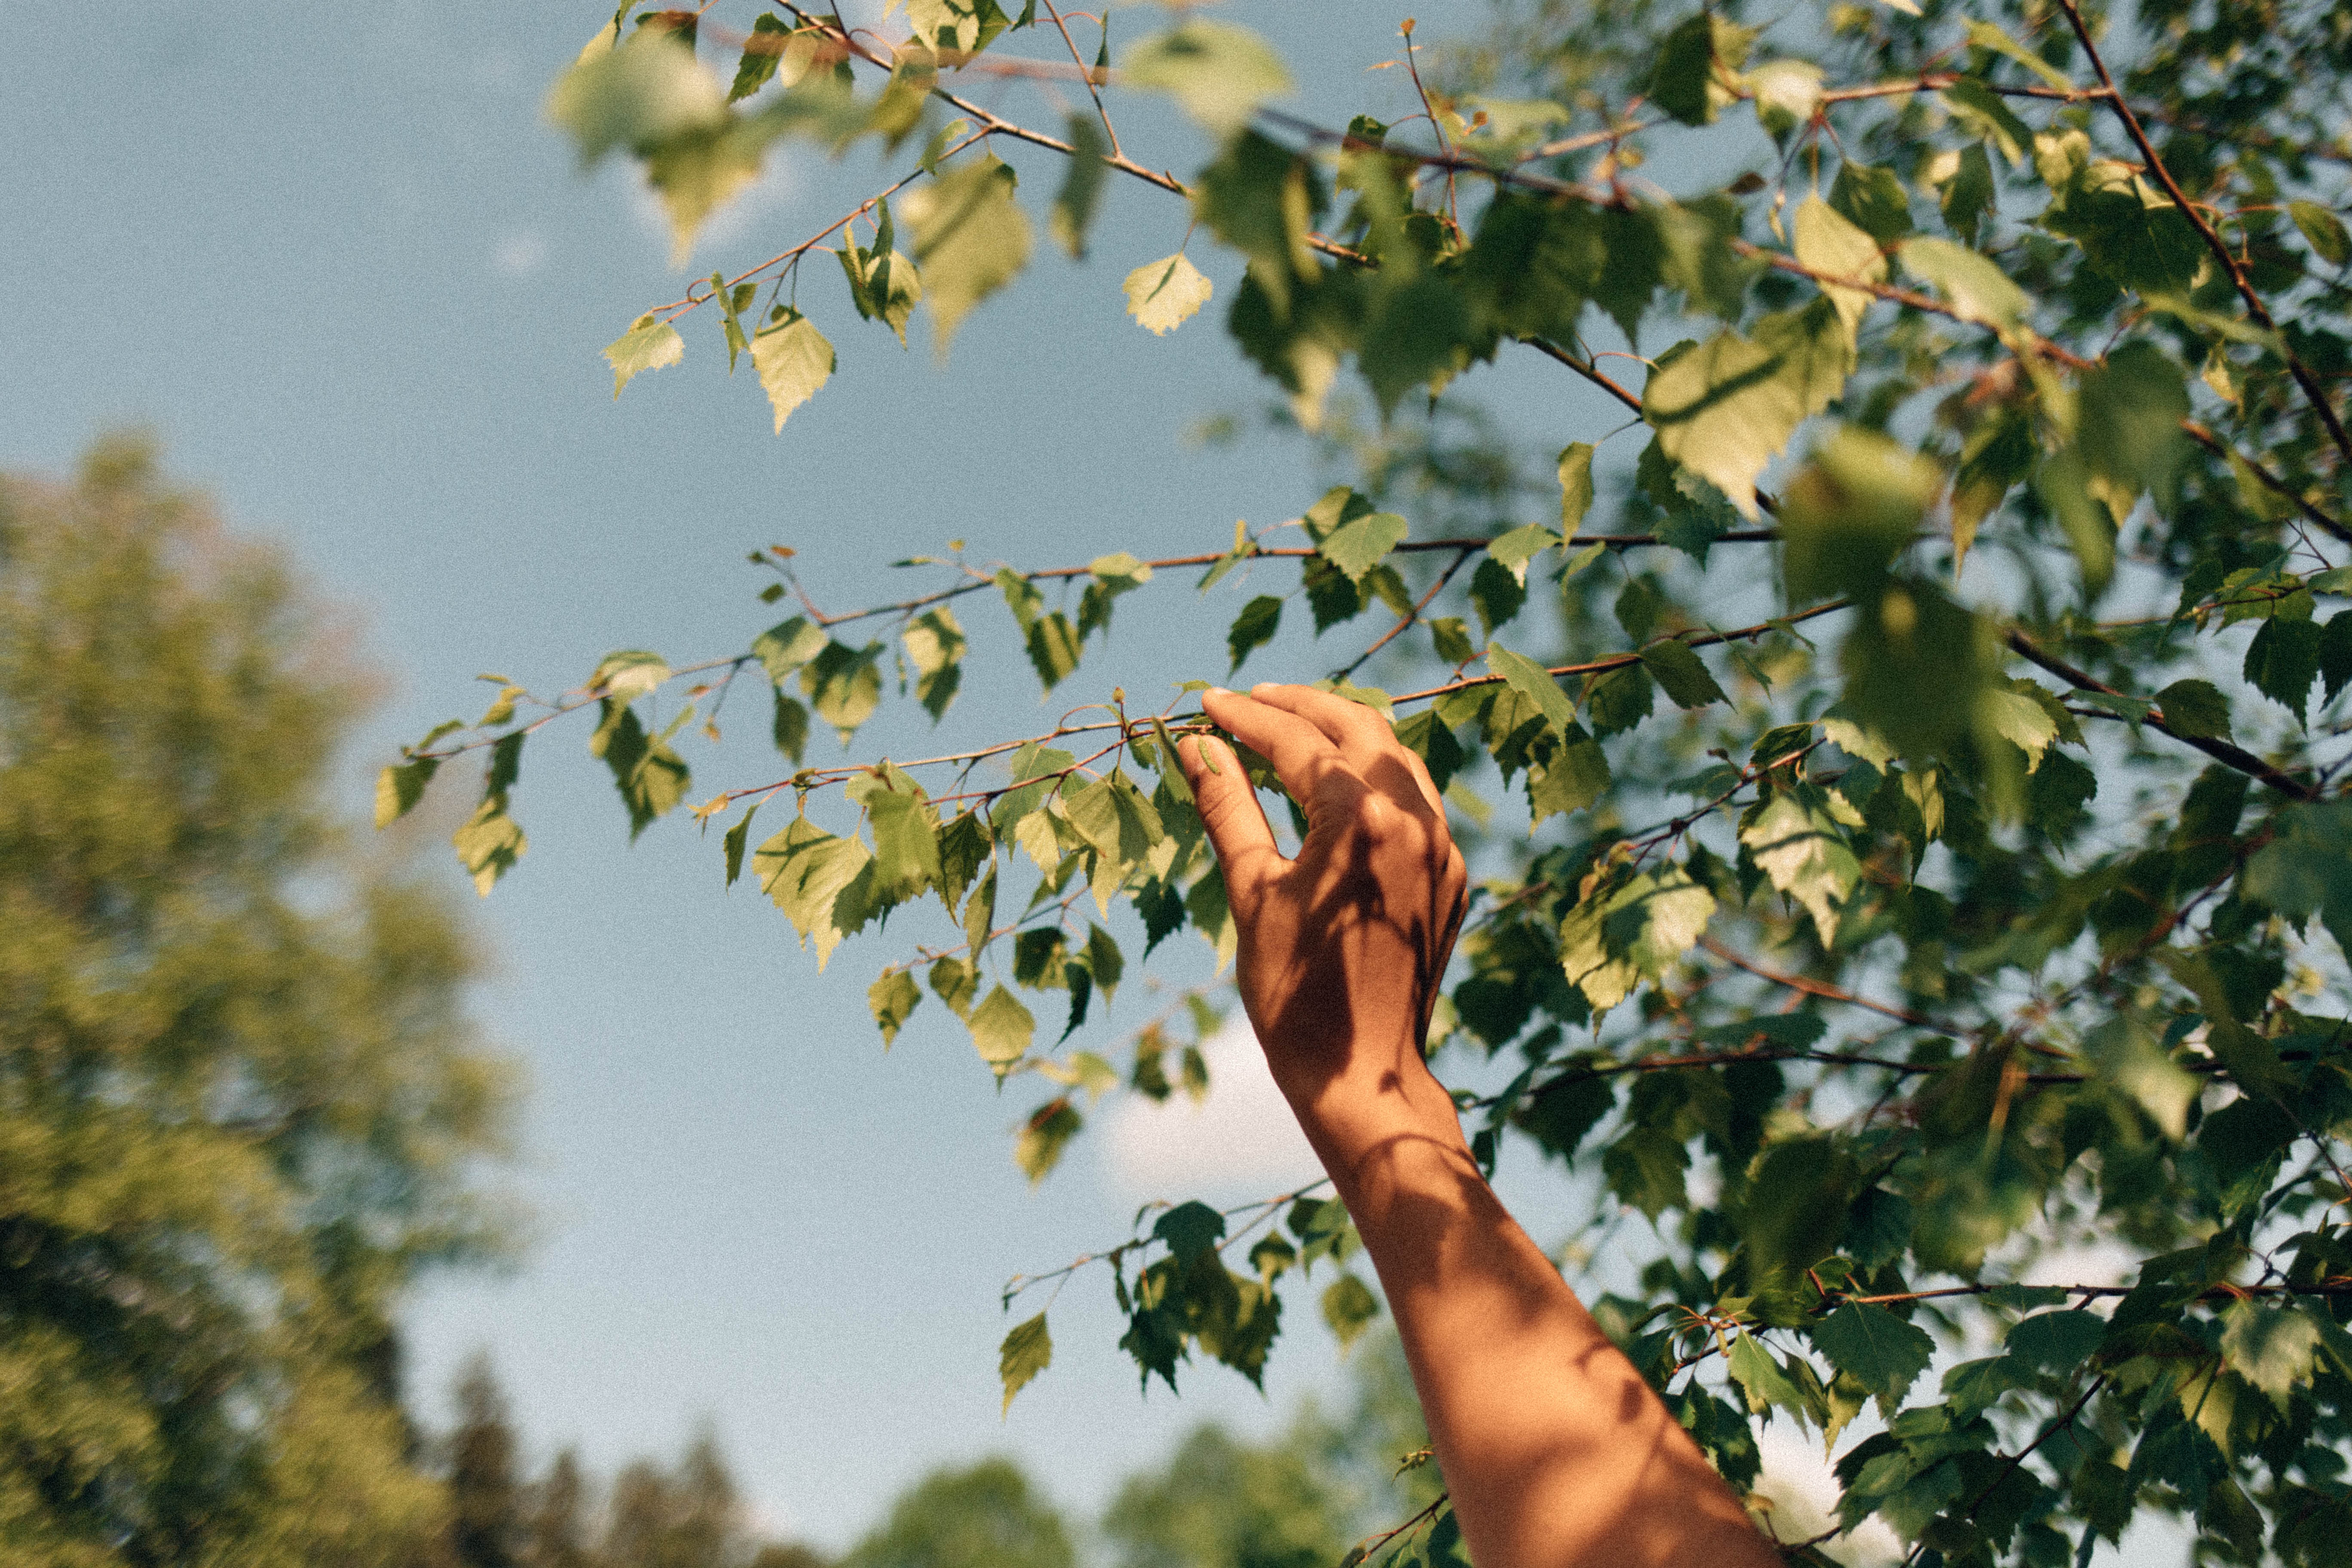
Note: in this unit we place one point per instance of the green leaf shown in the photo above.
(1976, 289)
(789, 728)
(2283, 661)
(1726, 408)
(883, 283)
(972, 239)
(906, 833)
(734, 840)
(2195, 709)
(645, 90)
(1764, 1381)
(788, 645)
(1537, 684)
(1053, 648)
(1851, 511)
(1028, 1350)
(2129, 428)
(1873, 199)
(2128, 231)
(844, 685)
(891, 999)
(1349, 1308)
(1513, 549)
(651, 777)
(1191, 1230)
(1575, 489)
(1358, 545)
(1970, 192)
(935, 647)
(628, 675)
(803, 870)
(1982, 114)
(1680, 674)
(763, 51)
(1685, 70)
(1881, 1350)
(794, 360)
(2059, 1343)
(1253, 627)
(647, 345)
(2335, 653)
(1496, 594)
(1082, 185)
(2323, 231)
(1044, 1137)
(1002, 1029)
(1219, 73)
(1806, 857)
(490, 843)
(1788, 93)
(400, 787)
(1163, 295)
(1574, 776)
(1986, 35)
(2269, 1347)
(1829, 244)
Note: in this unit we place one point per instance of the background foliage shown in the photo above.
(1932, 860)
(239, 1106)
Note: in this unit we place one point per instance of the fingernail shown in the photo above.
(1216, 691)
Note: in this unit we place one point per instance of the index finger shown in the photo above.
(1366, 739)
(1301, 754)
(1355, 729)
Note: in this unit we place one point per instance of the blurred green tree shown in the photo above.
(691, 1518)
(1220, 1503)
(558, 1537)
(982, 1517)
(240, 1105)
(486, 1500)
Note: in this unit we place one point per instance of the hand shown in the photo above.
(1341, 950)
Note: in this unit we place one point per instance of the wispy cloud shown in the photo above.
(1241, 1143)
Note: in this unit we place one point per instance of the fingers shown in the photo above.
(1229, 811)
(1363, 737)
(1300, 752)
(1350, 726)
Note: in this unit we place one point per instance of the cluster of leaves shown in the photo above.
(1963, 900)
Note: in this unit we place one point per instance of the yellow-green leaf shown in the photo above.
(647, 345)
(1163, 295)
(793, 361)
(1028, 1350)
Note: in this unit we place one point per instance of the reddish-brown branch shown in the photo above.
(1827, 992)
(2222, 751)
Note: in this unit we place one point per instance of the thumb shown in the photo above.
(1229, 811)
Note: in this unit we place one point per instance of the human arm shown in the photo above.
(1555, 1452)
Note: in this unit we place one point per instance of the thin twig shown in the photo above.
(2222, 751)
(2214, 243)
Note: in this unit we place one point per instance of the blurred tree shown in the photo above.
(691, 1518)
(485, 1500)
(1225, 1504)
(240, 1106)
(794, 1555)
(984, 1517)
(558, 1537)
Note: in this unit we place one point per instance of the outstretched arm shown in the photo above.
(1554, 1449)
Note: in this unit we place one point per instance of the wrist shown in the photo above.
(1382, 1096)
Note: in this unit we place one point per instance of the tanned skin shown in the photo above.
(1555, 1452)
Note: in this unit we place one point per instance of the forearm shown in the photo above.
(1555, 1449)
